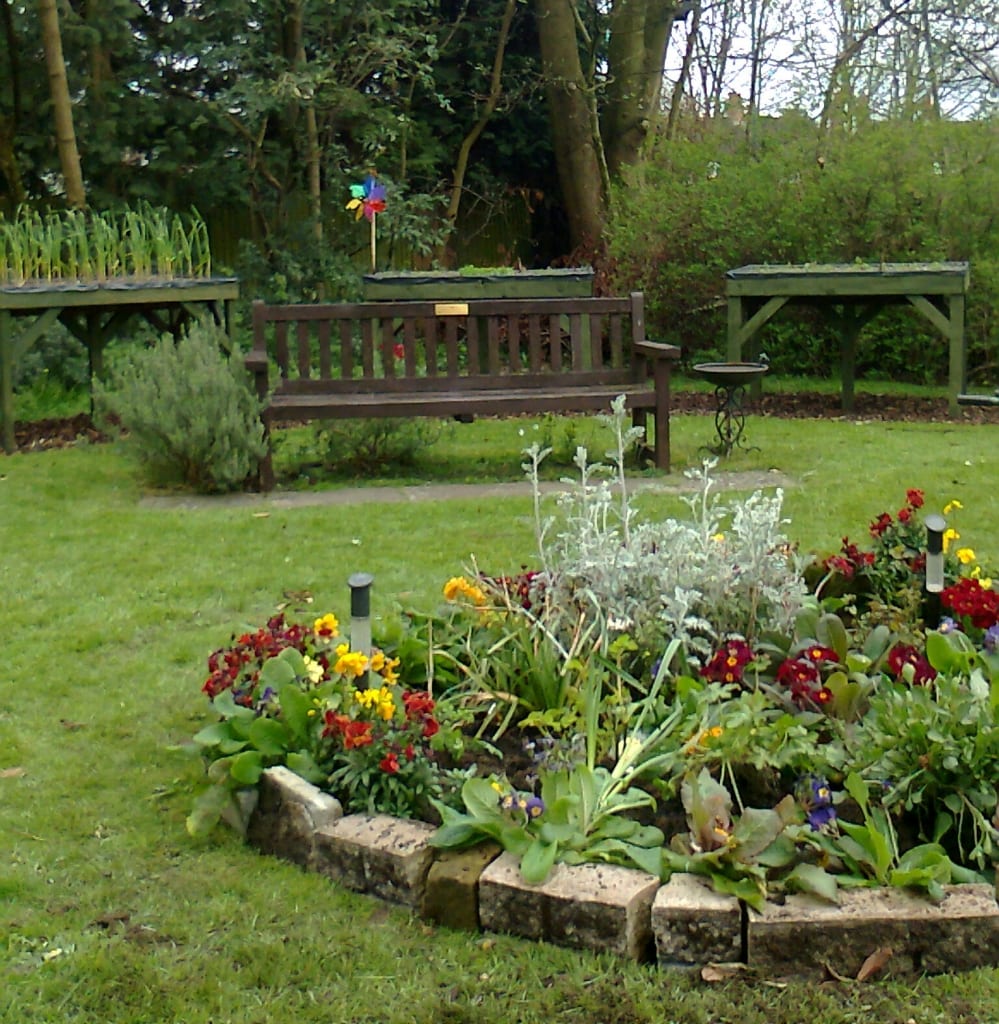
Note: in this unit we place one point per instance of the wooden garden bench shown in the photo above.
(459, 359)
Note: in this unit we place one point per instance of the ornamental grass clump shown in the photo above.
(188, 410)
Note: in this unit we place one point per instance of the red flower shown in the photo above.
(727, 664)
(409, 752)
(335, 723)
(905, 654)
(399, 350)
(389, 763)
(882, 523)
(430, 727)
(904, 514)
(357, 734)
(969, 599)
(817, 654)
(914, 497)
(417, 703)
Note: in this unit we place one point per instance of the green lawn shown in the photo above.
(109, 912)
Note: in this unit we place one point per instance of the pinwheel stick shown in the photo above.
(374, 247)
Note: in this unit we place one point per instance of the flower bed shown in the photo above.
(677, 698)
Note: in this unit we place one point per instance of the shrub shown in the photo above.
(366, 445)
(188, 410)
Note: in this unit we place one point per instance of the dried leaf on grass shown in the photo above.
(12, 773)
(723, 972)
(875, 962)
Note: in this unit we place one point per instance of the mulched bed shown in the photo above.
(58, 433)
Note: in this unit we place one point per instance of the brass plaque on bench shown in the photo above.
(451, 309)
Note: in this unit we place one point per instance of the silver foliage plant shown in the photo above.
(726, 570)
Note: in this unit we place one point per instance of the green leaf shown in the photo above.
(830, 632)
(457, 836)
(227, 707)
(282, 668)
(303, 764)
(812, 879)
(749, 890)
(537, 862)
(247, 767)
(481, 800)
(207, 810)
(295, 708)
(270, 737)
(755, 830)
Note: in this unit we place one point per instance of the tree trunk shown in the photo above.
(578, 150)
(636, 56)
(62, 108)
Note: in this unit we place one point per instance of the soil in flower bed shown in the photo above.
(58, 433)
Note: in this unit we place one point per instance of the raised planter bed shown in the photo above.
(683, 923)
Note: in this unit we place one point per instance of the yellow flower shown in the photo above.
(350, 662)
(950, 535)
(951, 506)
(326, 627)
(379, 700)
(388, 671)
(458, 586)
(377, 660)
(965, 556)
(718, 537)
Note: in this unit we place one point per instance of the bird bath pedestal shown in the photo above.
(730, 381)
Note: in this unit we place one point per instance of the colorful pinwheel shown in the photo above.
(368, 200)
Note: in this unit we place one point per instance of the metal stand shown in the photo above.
(730, 420)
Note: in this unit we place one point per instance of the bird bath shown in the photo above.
(730, 380)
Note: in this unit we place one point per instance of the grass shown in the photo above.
(110, 913)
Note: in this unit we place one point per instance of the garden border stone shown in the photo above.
(621, 910)
(601, 907)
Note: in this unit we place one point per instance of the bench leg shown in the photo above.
(265, 468)
(661, 374)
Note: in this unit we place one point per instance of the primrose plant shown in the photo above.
(582, 811)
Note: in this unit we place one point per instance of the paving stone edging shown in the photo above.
(682, 923)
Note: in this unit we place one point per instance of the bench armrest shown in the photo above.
(657, 350)
(256, 362)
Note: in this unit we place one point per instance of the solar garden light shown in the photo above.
(935, 527)
(360, 612)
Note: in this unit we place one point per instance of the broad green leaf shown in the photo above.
(457, 836)
(295, 708)
(207, 810)
(247, 767)
(227, 707)
(830, 632)
(537, 862)
(755, 830)
(812, 879)
(748, 890)
(481, 800)
(270, 737)
(303, 764)
(282, 668)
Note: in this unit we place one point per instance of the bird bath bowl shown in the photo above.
(731, 375)
(730, 380)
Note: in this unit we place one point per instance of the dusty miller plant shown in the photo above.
(727, 569)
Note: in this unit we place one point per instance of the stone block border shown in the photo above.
(603, 908)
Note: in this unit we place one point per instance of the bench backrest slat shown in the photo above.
(480, 340)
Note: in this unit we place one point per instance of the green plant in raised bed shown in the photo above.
(584, 811)
(143, 242)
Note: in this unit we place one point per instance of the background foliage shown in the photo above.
(888, 191)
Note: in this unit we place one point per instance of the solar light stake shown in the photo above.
(935, 527)
(360, 612)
